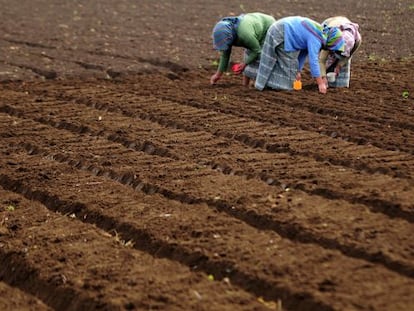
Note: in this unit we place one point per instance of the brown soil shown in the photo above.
(128, 182)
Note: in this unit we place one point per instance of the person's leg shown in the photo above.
(246, 80)
(283, 73)
(250, 72)
(285, 70)
(268, 58)
(344, 77)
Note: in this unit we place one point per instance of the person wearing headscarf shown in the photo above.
(289, 41)
(340, 63)
(246, 30)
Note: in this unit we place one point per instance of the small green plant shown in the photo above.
(10, 208)
(372, 57)
(405, 94)
(411, 7)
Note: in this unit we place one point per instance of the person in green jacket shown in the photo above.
(246, 30)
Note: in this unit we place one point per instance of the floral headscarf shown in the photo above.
(350, 32)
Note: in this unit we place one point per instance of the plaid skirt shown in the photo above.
(277, 68)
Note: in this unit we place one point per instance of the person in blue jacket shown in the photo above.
(289, 41)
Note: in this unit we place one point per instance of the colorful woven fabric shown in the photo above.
(331, 37)
(335, 40)
(350, 33)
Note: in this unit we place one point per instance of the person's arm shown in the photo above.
(248, 41)
(253, 45)
(314, 50)
(248, 34)
(341, 63)
(345, 60)
(267, 63)
(222, 67)
(322, 86)
(323, 57)
(224, 60)
(313, 55)
(301, 59)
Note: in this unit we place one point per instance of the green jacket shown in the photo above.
(251, 34)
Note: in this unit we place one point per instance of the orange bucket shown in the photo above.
(297, 85)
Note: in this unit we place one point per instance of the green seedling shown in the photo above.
(405, 94)
(372, 57)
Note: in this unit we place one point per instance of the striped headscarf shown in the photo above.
(224, 33)
(335, 40)
(330, 37)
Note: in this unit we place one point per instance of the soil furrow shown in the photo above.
(21, 301)
(354, 157)
(291, 175)
(163, 112)
(398, 136)
(398, 139)
(270, 212)
(128, 181)
(336, 118)
(207, 251)
(42, 256)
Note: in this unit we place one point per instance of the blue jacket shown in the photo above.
(298, 37)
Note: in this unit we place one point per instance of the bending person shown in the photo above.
(289, 41)
(340, 63)
(248, 31)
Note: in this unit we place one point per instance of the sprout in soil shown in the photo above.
(405, 94)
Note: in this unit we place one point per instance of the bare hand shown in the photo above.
(215, 77)
(337, 70)
(325, 80)
(322, 88)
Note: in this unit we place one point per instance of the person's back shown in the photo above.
(253, 25)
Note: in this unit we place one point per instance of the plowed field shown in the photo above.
(128, 182)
